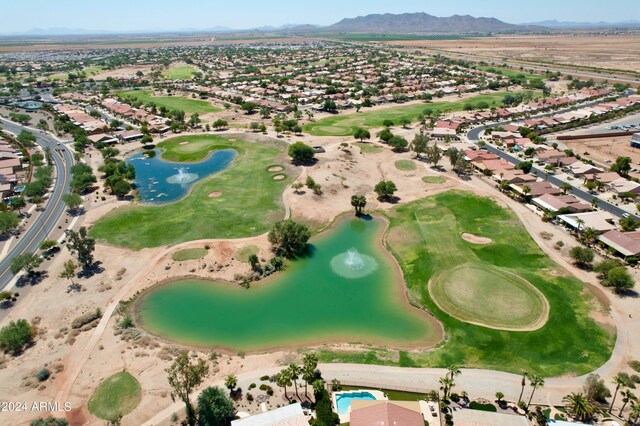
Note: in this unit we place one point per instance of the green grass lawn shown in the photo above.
(189, 254)
(424, 236)
(189, 106)
(406, 165)
(345, 125)
(249, 204)
(368, 148)
(179, 73)
(245, 252)
(483, 407)
(434, 179)
(508, 72)
(393, 395)
(115, 396)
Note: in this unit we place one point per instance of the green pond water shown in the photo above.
(347, 289)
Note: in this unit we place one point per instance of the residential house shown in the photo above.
(580, 169)
(563, 203)
(538, 189)
(624, 186)
(367, 413)
(601, 221)
(625, 243)
(289, 415)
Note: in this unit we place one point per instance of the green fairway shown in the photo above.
(189, 254)
(406, 165)
(479, 294)
(179, 73)
(115, 396)
(507, 72)
(424, 236)
(434, 179)
(189, 106)
(345, 125)
(249, 200)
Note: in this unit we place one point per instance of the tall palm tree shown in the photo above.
(445, 386)
(454, 370)
(589, 236)
(318, 386)
(536, 382)
(523, 382)
(627, 397)
(282, 380)
(579, 406)
(634, 414)
(619, 381)
(294, 374)
(309, 366)
(580, 222)
(566, 187)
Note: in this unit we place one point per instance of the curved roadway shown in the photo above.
(40, 229)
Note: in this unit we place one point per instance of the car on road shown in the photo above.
(626, 215)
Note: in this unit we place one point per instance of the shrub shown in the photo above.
(85, 319)
(15, 336)
(264, 378)
(249, 397)
(635, 365)
(263, 387)
(252, 385)
(43, 375)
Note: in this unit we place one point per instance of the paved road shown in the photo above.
(474, 136)
(40, 229)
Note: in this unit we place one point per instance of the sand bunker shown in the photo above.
(275, 169)
(184, 143)
(215, 194)
(279, 177)
(474, 239)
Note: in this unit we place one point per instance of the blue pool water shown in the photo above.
(160, 182)
(343, 401)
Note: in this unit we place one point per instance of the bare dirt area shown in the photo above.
(600, 51)
(601, 150)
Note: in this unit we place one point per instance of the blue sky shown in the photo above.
(121, 15)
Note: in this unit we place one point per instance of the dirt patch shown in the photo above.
(474, 239)
(215, 194)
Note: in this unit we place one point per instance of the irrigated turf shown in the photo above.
(189, 106)
(245, 252)
(249, 204)
(179, 73)
(434, 179)
(189, 254)
(115, 396)
(368, 148)
(424, 236)
(345, 125)
(406, 165)
(479, 294)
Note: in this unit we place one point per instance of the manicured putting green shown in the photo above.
(406, 165)
(189, 254)
(434, 179)
(245, 252)
(115, 396)
(489, 297)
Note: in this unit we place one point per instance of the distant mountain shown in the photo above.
(562, 24)
(62, 32)
(421, 23)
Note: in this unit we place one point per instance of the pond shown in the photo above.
(346, 290)
(159, 181)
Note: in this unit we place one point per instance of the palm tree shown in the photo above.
(454, 370)
(445, 386)
(536, 382)
(619, 381)
(627, 396)
(503, 185)
(282, 380)
(309, 366)
(594, 203)
(525, 374)
(580, 222)
(589, 236)
(566, 187)
(579, 406)
(318, 386)
(294, 374)
(526, 190)
(634, 414)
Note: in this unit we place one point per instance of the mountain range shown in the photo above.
(405, 23)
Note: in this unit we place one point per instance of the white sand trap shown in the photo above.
(184, 143)
(275, 169)
(474, 239)
(279, 177)
(215, 194)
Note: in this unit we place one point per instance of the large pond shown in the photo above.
(160, 181)
(346, 290)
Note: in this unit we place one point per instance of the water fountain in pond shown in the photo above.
(181, 177)
(352, 264)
